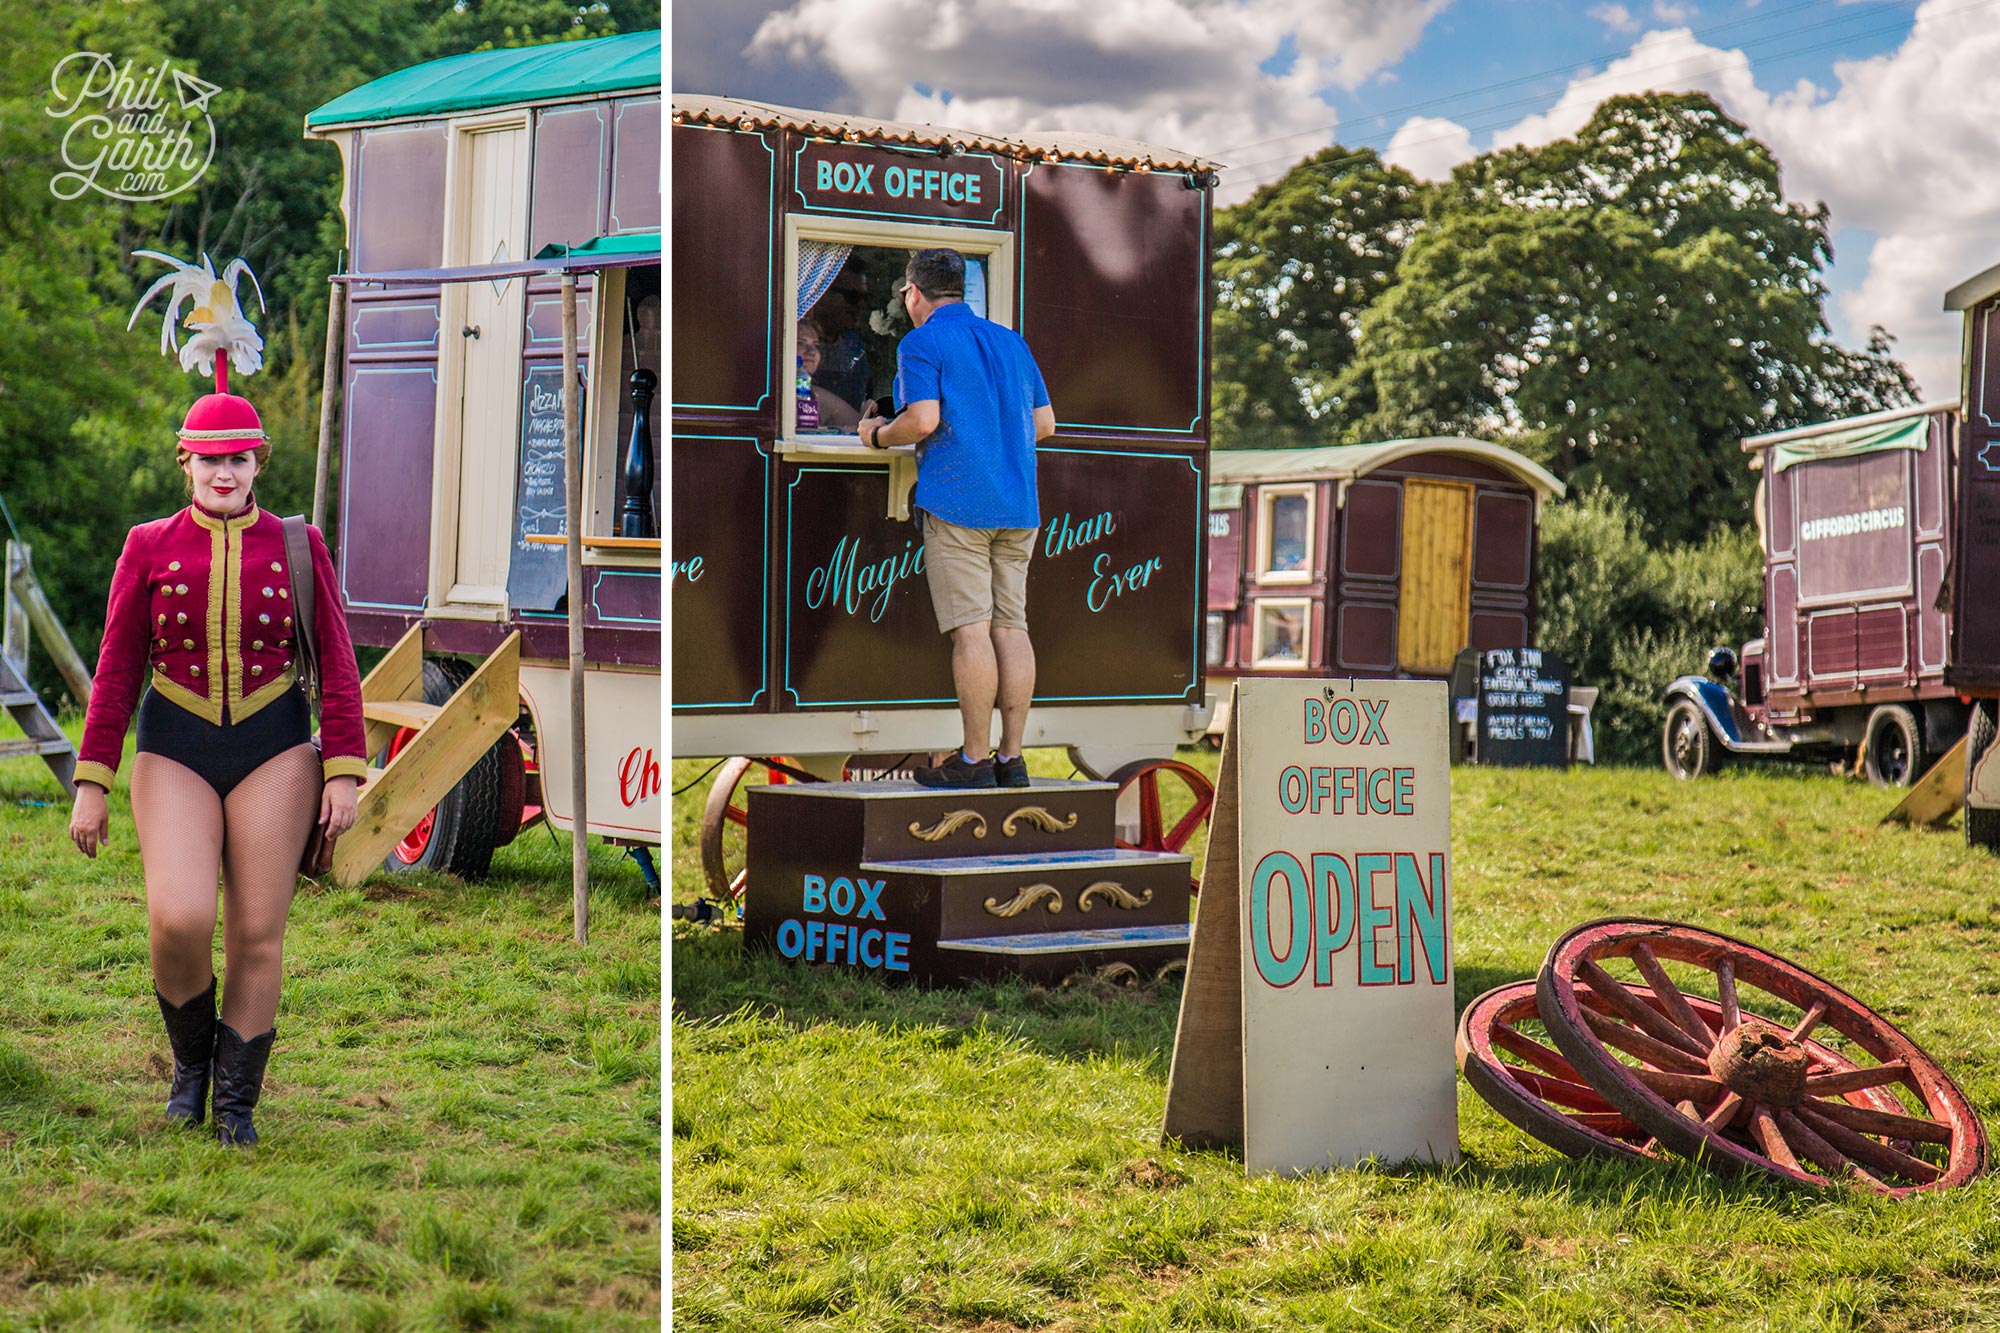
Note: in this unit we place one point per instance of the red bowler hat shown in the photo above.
(221, 423)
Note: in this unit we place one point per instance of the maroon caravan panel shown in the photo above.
(1782, 642)
(1371, 531)
(635, 173)
(572, 156)
(1225, 558)
(856, 627)
(1855, 527)
(1117, 570)
(1882, 641)
(390, 392)
(1830, 648)
(1975, 629)
(1114, 266)
(724, 260)
(719, 568)
(1503, 542)
(1497, 629)
(393, 167)
(1366, 638)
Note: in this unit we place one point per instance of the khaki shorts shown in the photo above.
(977, 573)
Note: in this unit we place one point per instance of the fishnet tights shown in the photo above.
(186, 835)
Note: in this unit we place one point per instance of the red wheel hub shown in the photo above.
(411, 849)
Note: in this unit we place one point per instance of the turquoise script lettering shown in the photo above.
(689, 569)
(1062, 536)
(1108, 583)
(841, 584)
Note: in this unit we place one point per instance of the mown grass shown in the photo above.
(460, 1124)
(854, 1157)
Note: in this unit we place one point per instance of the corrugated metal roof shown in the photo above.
(511, 77)
(700, 109)
(1344, 462)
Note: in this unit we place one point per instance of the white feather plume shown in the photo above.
(217, 318)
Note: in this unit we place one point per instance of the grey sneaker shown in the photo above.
(1011, 772)
(957, 773)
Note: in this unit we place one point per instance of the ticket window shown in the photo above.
(840, 346)
(629, 338)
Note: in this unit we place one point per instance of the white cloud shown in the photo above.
(1667, 11)
(1428, 147)
(1615, 17)
(1902, 147)
(1181, 73)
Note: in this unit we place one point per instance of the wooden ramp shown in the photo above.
(1934, 798)
(40, 734)
(450, 738)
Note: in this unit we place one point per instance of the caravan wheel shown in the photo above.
(458, 836)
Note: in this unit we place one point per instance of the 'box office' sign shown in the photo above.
(900, 182)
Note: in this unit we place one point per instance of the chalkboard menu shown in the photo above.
(1523, 708)
(538, 573)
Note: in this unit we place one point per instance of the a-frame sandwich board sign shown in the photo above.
(1316, 1020)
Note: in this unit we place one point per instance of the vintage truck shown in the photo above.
(1860, 657)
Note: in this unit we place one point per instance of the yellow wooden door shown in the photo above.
(1434, 610)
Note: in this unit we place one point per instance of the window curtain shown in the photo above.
(820, 263)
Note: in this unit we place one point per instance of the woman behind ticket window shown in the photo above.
(835, 413)
(227, 779)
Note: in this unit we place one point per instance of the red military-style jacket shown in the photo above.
(206, 604)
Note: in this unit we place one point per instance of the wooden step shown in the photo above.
(1077, 941)
(15, 748)
(18, 698)
(411, 713)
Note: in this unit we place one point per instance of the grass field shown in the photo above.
(847, 1156)
(460, 1126)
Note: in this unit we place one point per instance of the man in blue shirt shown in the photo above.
(974, 404)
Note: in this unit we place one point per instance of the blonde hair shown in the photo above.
(262, 455)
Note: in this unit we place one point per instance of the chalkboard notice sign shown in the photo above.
(538, 573)
(1523, 708)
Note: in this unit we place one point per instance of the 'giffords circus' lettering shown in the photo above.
(847, 587)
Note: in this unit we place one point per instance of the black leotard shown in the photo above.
(223, 755)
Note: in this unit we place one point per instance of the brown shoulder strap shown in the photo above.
(299, 562)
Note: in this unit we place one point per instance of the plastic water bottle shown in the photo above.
(808, 405)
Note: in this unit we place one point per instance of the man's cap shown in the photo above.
(221, 423)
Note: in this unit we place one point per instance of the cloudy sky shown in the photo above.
(1888, 110)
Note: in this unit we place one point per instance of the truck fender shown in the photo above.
(1717, 704)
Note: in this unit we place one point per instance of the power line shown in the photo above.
(1368, 141)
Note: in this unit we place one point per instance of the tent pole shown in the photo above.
(573, 485)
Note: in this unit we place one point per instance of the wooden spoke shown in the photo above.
(1724, 1112)
(1764, 1126)
(1885, 1123)
(1638, 1013)
(1725, 994)
(1822, 1153)
(1863, 1149)
(1633, 1042)
(1854, 1080)
(1670, 996)
(1670, 1084)
(1810, 1021)
(1514, 1042)
(1578, 1096)
(1612, 1123)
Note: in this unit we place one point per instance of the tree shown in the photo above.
(1625, 307)
(1295, 267)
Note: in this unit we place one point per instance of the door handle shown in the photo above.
(469, 331)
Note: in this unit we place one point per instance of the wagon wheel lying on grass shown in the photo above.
(1154, 833)
(1784, 1073)
(1538, 1091)
(722, 867)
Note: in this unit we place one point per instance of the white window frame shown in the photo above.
(1215, 635)
(600, 443)
(1267, 499)
(1259, 657)
(995, 247)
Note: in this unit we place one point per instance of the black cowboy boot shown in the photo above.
(239, 1078)
(191, 1032)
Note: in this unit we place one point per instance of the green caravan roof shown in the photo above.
(1897, 428)
(511, 77)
